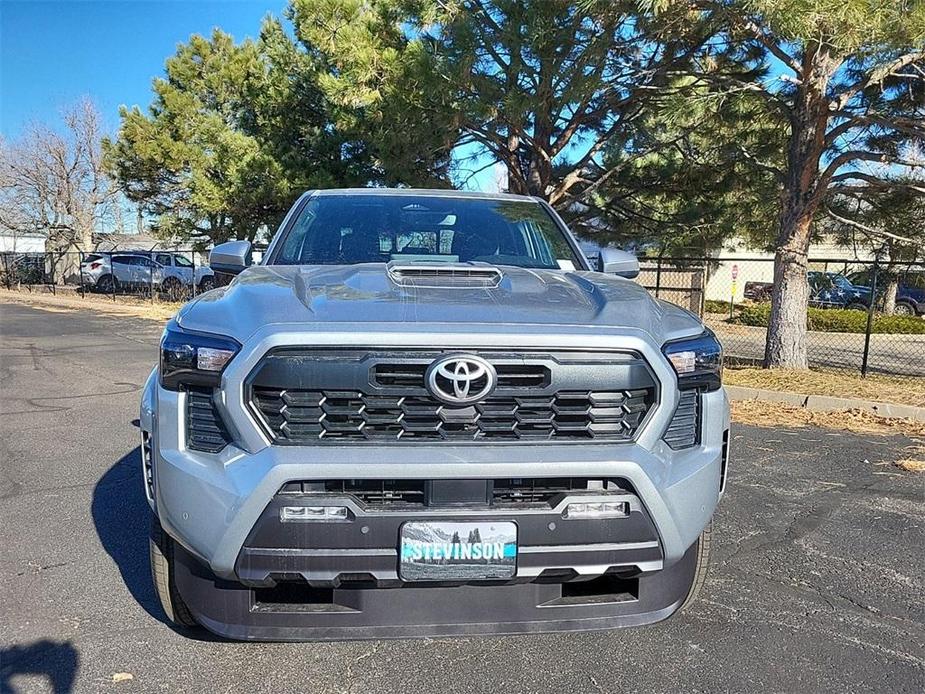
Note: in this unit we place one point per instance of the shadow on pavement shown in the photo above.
(122, 517)
(55, 660)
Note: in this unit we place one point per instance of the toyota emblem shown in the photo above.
(461, 379)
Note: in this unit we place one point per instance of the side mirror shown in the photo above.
(231, 257)
(620, 263)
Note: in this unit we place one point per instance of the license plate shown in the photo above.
(438, 551)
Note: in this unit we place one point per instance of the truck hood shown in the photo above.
(333, 296)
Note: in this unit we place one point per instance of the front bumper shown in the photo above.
(338, 579)
(212, 503)
(356, 611)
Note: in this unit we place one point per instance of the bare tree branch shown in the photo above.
(876, 77)
(56, 184)
(870, 230)
(873, 182)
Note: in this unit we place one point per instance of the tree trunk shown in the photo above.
(786, 339)
(515, 180)
(889, 280)
(890, 289)
(539, 176)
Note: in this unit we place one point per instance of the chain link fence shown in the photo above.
(153, 275)
(862, 316)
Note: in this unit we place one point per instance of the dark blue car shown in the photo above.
(910, 296)
(832, 290)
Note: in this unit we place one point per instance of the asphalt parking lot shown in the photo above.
(817, 582)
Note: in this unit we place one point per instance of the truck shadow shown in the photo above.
(122, 518)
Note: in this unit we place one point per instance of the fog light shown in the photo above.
(313, 513)
(597, 509)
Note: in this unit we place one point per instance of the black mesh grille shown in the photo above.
(304, 396)
(504, 492)
(205, 430)
(546, 490)
(684, 430)
(300, 416)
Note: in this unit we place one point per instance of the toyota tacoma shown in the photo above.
(428, 413)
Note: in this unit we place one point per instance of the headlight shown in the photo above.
(698, 361)
(193, 358)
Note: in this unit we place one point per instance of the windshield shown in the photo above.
(357, 228)
(841, 282)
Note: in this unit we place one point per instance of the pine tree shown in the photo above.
(848, 77)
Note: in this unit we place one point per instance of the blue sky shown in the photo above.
(53, 53)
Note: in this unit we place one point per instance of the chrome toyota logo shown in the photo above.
(461, 379)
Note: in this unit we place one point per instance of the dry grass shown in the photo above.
(896, 389)
(916, 461)
(159, 311)
(911, 465)
(772, 414)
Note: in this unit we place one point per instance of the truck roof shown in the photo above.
(428, 192)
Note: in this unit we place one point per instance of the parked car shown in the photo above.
(171, 272)
(910, 295)
(180, 270)
(758, 291)
(427, 413)
(119, 271)
(826, 290)
(832, 290)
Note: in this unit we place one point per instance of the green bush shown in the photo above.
(754, 314)
(716, 306)
(837, 320)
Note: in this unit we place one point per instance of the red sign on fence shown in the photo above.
(735, 271)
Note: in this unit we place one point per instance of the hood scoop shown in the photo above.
(444, 275)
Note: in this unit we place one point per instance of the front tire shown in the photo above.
(160, 551)
(856, 306)
(172, 288)
(703, 566)
(106, 284)
(904, 309)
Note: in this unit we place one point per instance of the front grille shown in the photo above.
(369, 492)
(684, 429)
(299, 416)
(547, 490)
(205, 430)
(305, 396)
(502, 492)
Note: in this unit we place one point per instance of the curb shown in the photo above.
(825, 403)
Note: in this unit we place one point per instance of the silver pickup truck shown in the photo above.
(425, 413)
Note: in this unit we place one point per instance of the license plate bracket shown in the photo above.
(457, 551)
